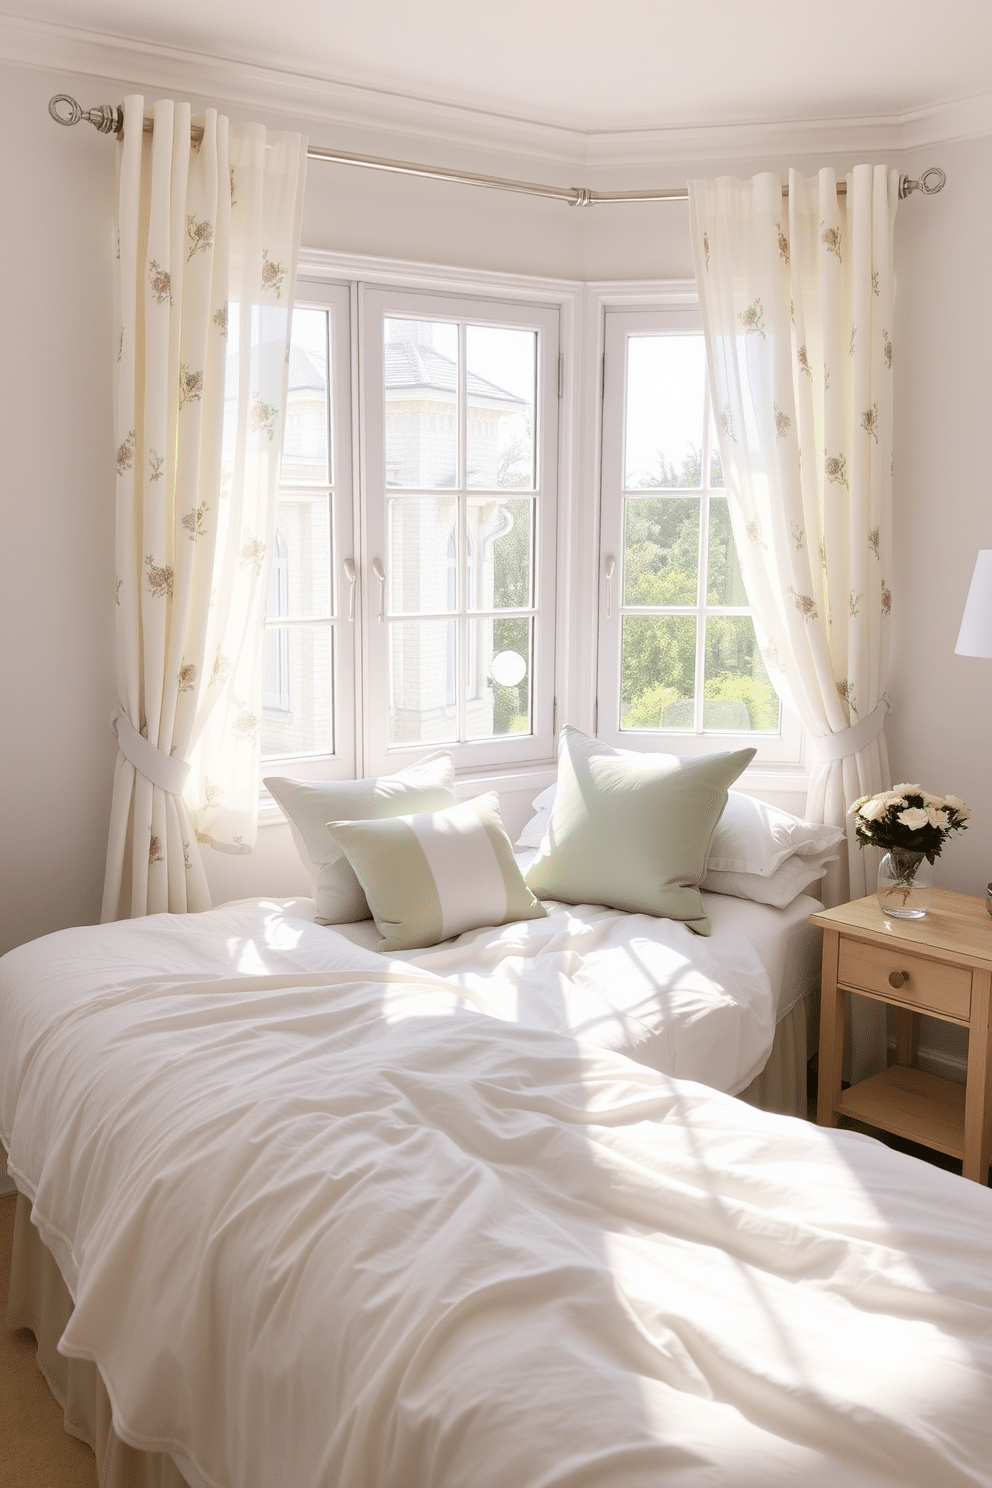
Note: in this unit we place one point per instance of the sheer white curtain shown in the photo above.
(207, 247)
(796, 296)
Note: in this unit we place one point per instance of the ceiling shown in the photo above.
(588, 66)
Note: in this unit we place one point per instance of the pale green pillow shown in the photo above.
(632, 830)
(310, 804)
(436, 874)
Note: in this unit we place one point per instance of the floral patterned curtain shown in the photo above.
(207, 246)
(796, 297)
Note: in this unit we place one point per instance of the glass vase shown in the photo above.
(904, 883)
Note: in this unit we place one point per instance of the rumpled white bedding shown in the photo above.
(335, 1230)
(700, 1007)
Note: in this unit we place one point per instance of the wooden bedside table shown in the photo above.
(940, 965)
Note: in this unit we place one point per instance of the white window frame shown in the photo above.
(498, 753)
(781, 749)
(342, 616)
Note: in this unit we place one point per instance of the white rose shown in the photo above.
(914, 818)
(874, 809)
(938, 818)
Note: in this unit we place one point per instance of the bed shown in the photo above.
(337, 1226)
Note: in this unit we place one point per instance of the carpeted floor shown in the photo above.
(35, 1449)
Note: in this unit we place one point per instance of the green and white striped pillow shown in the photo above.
(436, 874)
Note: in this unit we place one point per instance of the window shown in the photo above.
(309, 644)
(419, 612)
(678, 653)
(460, 417)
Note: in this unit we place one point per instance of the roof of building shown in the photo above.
(411, 365)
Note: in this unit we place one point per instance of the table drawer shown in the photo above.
(927, 984)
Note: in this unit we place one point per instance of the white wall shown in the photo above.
(56, 582)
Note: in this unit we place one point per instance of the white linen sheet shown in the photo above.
(335, 1230)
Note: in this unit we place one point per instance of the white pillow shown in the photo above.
(779, 888)
(310, 804)
(432, 875)
(751, 837)
(533, 833)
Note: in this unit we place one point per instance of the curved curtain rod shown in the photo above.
(110, 120)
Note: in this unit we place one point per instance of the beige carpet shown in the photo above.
(35, 1449)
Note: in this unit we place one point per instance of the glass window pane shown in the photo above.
(661, 550)
(423, 554)
(737, 692)
(299, 691)
(306, 442)
(657, 671)
(664, 416)
(500, 541)
(423, 668)
(421, 392)
(501, 368)
(300, 574)
(499, 675)
(716, 465)
(724, 585)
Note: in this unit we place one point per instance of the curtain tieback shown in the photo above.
(163, 770)
(849, 741)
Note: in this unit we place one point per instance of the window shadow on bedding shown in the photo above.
(345, 1230)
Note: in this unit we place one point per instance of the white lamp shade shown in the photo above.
(975, 635)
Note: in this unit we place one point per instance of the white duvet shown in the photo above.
(701, 1007)
(337, 1230)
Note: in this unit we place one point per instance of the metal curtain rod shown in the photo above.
(110, 120)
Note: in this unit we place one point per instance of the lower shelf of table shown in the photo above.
(910, 1103)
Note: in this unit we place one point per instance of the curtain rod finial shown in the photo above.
(931, 181)
(107, 119)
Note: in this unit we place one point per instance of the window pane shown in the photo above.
(303, 554)
(500, 541)
(421, 392)
(501, 366)
(661, 550)
(423, 667)
(499, 672)
(737, 692)
(716, 465)
(297, 718)
(724, 585)
(657, 671)
(664, 415)
(306, 441)
(423, 554)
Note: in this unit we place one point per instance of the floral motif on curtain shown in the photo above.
(208, 241)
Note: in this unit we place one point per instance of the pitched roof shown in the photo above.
(410, 365)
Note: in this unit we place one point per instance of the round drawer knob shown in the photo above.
(896, 978)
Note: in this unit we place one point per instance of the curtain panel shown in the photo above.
(796, 295)
(208, 239)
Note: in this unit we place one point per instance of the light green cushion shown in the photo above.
(632, 830)
(432, 875)
(310, 804)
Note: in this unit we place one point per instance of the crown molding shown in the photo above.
(460, 132)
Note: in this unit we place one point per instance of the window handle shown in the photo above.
(352, 577)
(380, 574)
(611, 564)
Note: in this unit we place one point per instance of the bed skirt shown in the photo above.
(39, 1299)
(781, 1086)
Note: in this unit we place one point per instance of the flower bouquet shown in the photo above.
(910, 825)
